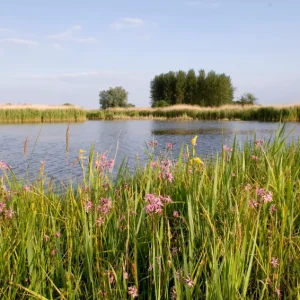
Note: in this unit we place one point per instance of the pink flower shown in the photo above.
(175, 214)
(3, 165)
(253, 203)
(132, 291)
(125, 274)
(53, 252)
(278, 292)
(268, 197)
(170, 146)
(253, 157)
(105, 206)
(9, 213)
(26, 188)
(155, 204)
(274, 262)
(58, 234)
(259, 142)
(189, 282)
(248, 187)
(100, 221)
(46, 237)
(88, 206)
(154, 164)
(2, 207)
(260, 192)
(226, 148)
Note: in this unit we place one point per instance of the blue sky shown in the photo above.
(52, 52)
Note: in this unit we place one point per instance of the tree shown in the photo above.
(191, 87)
(113, 97)
(180, 87)
(247, 99)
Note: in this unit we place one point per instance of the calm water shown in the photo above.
(47, 142)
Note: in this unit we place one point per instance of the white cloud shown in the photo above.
(205, 3)
(127, 23)
(17, 41)
(71, 35)
(57, 46)
(89, 75)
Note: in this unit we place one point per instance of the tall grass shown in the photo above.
(186, 112)
(230, 232)
(31, 115)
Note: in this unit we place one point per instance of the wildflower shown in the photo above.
(125, 274)
(170, 146)
(2, 207)
(3, 165)
(253, 157)
(227, 149)
(111, 278)
(88, 206)
(260, 192)
(173, 293)
(9, 213)
(259, 142)
(58, 234)
(189, 282)
(253, 203)
(46, 237)
(175, 214)
(53, 252)
(26, 188)
(196, 161)
(233, 174)
(174, 251)
(152, 144)
(274, 262)
(272, 209)
(268, 197)
(100, 221)
(194, 141)
(278, 292)
(132, 291)
(169, 177)
(81, 151)
(155, 204)
(153, 164)
(105, 206)
(248, 187)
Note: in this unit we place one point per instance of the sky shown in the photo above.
(61, 51)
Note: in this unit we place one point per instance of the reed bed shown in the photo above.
(177, 228)
(39, 115)
(186, 112)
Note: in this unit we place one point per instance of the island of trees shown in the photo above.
(204, 89)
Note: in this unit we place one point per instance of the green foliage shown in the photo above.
(30, 115)
(247, 99)
(113, 97)
(218, 238)
(186, 88)
(161, 103)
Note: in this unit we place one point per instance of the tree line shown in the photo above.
(204, 89)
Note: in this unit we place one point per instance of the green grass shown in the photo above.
(216, 247)
(256, 113)
(30, 115)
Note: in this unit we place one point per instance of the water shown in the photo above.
(47, 142)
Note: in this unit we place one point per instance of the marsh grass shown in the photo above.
(189, 112)
(212, 241)
(32, 115)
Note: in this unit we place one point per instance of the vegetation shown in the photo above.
(226, 228)
(32, 115)
(247, 99)
(114, 97)
(209, 89)
(187, 112)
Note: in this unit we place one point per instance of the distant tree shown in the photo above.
(209, 89)
(113, 97)
(180, 87)
(190, 87)
(247, 99)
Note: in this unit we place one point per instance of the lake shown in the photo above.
(47, 142)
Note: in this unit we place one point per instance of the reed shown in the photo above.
(227, 228)
(32, 115)
(186, 112)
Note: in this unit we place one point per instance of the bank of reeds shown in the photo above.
(227, 228)
(185, 112)
(32, 115)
